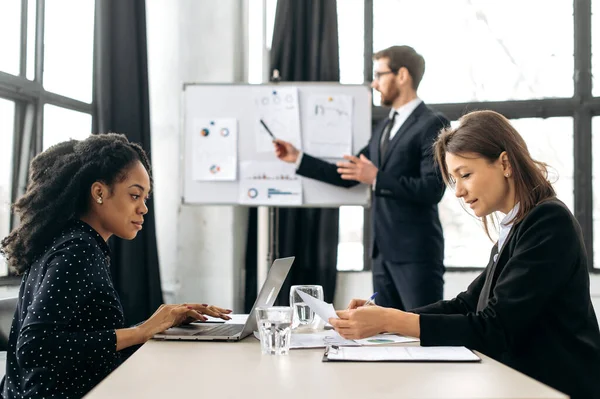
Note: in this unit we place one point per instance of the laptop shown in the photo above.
(235, 332)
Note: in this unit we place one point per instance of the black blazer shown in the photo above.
(531, 310)
(406, 225)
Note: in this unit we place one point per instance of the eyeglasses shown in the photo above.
(378, 75)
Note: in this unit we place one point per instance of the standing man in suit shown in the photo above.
(408, 243)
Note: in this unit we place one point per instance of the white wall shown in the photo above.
(201, 248)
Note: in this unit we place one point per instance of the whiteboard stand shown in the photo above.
(273, 242)
(267, 226)
(273, 236)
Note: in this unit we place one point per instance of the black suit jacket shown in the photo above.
(406, 224)
(530, 310)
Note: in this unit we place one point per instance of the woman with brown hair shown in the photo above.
(530, 308)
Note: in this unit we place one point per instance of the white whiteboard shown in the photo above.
(237, 101)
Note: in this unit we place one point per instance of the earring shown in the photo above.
(507, 175)
(99, 200)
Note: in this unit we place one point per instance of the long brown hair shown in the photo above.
(488, 134)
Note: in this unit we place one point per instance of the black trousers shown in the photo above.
(407, 285)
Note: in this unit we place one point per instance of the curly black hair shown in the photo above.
(58, 191)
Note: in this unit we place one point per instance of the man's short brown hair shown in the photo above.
(407, 57)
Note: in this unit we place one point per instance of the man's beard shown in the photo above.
(391, 96)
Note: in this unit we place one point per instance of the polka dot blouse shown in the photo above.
(63, 340)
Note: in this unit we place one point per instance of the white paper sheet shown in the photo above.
(279, 110)
(214, 152)
(329, 126)
(402, 353)
(319, 339)
(269, 183)
(323, 309)
(385, 339)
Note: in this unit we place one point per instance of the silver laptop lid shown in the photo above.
(269, 291)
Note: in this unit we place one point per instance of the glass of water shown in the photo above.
(275, 328)
(304, 317)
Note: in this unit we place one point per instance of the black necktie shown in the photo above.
(385, 139)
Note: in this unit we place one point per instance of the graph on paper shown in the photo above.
(279, 111)
(329, 126)
(214, 143)
(269, 183)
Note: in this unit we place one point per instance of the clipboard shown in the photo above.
(450, 354)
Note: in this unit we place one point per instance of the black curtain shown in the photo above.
(250, 292)
(122, 105)
(305, 48)
(305, 41)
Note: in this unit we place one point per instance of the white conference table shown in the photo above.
(168, 369)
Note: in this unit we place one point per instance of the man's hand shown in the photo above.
(286, 151)
(360, 169)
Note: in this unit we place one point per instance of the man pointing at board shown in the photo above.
(408, 243)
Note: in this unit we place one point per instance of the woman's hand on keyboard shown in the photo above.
(209, 310)
(167, 316)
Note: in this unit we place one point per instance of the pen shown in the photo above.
(370, 300)
(267, 129)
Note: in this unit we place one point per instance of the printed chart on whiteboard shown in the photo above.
(269, 183)
(278, 116)
(214, 151)
(329, 126)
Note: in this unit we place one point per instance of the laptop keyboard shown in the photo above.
(223, 330)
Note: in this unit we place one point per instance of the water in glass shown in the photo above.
(304, 317)
(275, 328)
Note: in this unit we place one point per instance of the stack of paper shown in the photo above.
(400, 354)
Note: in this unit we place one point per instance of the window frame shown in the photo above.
(30, 97)
(582, 107)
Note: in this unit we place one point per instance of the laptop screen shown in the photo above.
(269, 291)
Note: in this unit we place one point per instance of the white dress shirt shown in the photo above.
(505, 226)
(404, 112)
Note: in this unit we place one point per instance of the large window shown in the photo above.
(67, 56)
(524, 69)
(551, 141)
(62, 124)
(7, 116)
(10, 32)
(473, 53)
(535, 71)
(261, 19)
(352, 240)
(596, 47)
(45, 85)
(351, 247)
(596, 185)
(351, 35)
